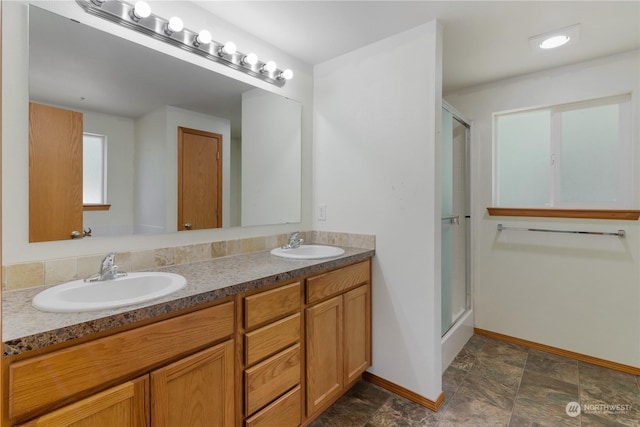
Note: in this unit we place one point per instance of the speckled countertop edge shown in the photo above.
(26, 328)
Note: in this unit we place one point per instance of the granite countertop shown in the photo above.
(25, 328)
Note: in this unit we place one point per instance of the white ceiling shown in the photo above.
(483, 40)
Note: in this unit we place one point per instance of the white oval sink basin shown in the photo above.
(134, 288)
(308, 252)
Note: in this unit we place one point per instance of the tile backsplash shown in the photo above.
(54, 271)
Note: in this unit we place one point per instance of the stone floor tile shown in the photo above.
(593, 374)
(464, 360)
(497, 371)
(475, 343)
(524, 421)
(465, 411)
(399, 412)
(506, 352)
(609, 396)
(494, 383)
(552, 365)
(543, 400)
(488, 390)
(355, 408)
(452, 378)
(536, 387)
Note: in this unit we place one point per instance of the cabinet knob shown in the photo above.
(187, 226)
(76, 234)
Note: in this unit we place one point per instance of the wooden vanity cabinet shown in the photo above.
(338, 333)
(178, 371)
(272, 357)
(304, 345)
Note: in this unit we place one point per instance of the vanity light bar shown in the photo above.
(162, 29)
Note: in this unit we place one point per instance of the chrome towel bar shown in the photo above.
(619, 233)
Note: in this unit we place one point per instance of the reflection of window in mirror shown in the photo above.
(94, 172)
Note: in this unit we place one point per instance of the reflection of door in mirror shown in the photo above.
(55, 173)
(199, 179)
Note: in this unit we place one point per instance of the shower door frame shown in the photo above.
(466, 217)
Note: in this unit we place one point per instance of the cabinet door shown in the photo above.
(324, 353)
(357, 333)
(195, 391)
(124, 405)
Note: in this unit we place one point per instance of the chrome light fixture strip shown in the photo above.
(154, 26)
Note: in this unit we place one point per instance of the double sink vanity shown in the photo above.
(248, 340)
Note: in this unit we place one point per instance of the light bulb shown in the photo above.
(203, 37)
(174, 25)
(140, 10)
(229, 48)
(555, 41)
(270, 66)
(286, 74)
(250, 59)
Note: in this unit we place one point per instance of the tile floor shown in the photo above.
(494, 383)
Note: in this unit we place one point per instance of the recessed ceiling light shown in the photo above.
(553, 39)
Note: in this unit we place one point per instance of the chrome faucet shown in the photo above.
(108, 270)
(294, 241)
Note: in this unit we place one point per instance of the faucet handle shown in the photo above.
(108, 261)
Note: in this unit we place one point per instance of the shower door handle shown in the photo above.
(451, 219)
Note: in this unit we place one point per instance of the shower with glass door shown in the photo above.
(456, 219)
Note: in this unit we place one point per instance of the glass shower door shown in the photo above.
(455, 220)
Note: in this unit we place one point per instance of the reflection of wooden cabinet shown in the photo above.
(189, 360)
(338, 333)
(55, 173)
(124, 405)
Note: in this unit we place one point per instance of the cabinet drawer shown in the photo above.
(271, 378)
(44, 380)
(284, 412)
(271, 305)
(337, 281)
(271, 339)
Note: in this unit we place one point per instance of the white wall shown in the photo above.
(15, 157)
(579, 293)
(235, 183)
(150, 203)
(119, 131)
(270, 159)
(376, 150)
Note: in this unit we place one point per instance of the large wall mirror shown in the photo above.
(138, 99)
